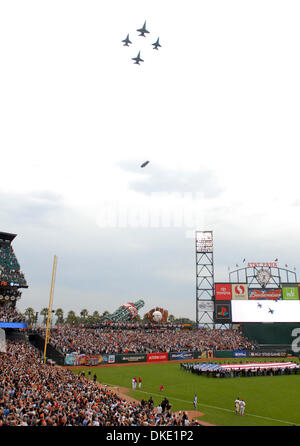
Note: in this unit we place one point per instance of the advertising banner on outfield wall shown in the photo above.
(239, 291)
(75, 359)
(131, 358)
(264, 354)
(151, 357)
(223, 354)
(82, 359)
(181, 355)
(97, 359)
(239, 354)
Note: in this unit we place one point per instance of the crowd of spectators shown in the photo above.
(67, 339)
(8, 313)
(36, 394)
(9, 266)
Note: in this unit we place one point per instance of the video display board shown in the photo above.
(265, 311)
(239, 302)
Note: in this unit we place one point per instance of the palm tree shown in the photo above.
(96, 316)
(60, 316)
(72, 318)
(171, 318)
(84, 314)
(30, 315)
(44, 312)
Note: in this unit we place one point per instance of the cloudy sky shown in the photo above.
(215, 111)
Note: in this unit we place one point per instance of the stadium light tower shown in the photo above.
(204, 278)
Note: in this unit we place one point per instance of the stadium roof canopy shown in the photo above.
(7, 236)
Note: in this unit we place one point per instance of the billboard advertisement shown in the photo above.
(75, 359)
(265, 293)
(239, 291)
(222, 312)
(290, 293)
(267, 354)
(132, 358)
(265, 311)
(181, 355)
(239, 353)
(206, 305)
(151, 357)
(223, 291)
(13, 325)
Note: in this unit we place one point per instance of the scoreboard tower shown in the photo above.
(204, 278)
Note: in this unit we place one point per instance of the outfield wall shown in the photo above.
(271, 333)
(93, 360)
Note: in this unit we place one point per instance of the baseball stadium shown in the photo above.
(237, 364)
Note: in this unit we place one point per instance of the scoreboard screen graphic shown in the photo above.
(265, 311)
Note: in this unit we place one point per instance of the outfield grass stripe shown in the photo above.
(213, 407)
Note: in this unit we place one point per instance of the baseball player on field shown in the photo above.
(242, 407)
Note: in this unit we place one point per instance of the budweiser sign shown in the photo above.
(271, 294)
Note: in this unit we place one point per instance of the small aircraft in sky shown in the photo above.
(156, 44)
(145, 163)
(137, 59)
(126, 41)
(143, 30)
(259, 305)
(271, 311)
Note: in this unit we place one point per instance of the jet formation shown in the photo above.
(143, 30)
(126, 41)
(142, 33)
(137, 59)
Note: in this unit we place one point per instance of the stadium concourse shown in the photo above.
(108, 339)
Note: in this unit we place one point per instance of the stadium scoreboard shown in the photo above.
(238, 303)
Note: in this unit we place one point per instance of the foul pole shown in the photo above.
(50, 306)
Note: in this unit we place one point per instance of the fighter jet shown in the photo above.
(143, 30)
(137, 59)
(145, 163)
(271, 311)
(259, 305)
(126, 41)
(156, 44)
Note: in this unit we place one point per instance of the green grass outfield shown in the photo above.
(271, 400)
